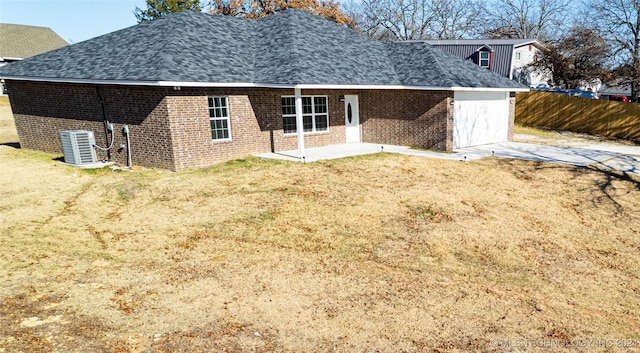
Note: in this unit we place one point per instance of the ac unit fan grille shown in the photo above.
(77, 146)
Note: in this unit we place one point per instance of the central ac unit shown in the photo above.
(77, 146)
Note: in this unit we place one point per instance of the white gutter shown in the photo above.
(5, 58)
(256, 85)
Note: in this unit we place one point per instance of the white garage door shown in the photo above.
(480, 118)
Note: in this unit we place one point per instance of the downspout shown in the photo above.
(105, 123)
(125, 131)
(299, 122)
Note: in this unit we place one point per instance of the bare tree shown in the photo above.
(397, 19)
(418, 19)
(580, 56)
(456, 19)
(619, 22)
(536, 19)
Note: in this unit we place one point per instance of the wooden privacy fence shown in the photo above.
(598, 117)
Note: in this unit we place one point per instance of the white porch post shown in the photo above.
(299, 123)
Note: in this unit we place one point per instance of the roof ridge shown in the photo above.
(21, 25)
(295, 59)
(254, 50)
(166, 56)
(391, 63)
(438, 64)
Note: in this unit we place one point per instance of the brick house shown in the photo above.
(194, 90)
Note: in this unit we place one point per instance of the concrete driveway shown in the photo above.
(622, 158)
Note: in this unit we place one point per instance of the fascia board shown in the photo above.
(257, 85)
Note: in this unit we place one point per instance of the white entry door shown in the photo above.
(351, 118)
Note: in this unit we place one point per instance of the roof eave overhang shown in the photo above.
(417, 88)
(10, 58)
(180, 84)
(533, 42)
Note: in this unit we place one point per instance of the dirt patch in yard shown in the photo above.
(382, 253)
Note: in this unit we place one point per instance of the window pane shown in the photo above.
(219, 129)
(219, 117)
(306, 105)
(322, 123)
(289, 124)
(315, 114)
(288, 106)
(320, 105)
(484, 58)
(307, 123)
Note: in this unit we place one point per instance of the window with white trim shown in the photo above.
(485, 58)
(315, 114)
(219, 118)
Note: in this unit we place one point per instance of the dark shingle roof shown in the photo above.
(289, 48)
(311, 50)
(419, 63)
(184, 47)
(20, 41)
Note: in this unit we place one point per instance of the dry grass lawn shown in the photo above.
(8, 132)
(383, 253)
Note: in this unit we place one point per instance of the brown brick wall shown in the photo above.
(41, 110)
(256, 125)
(170, 128)
(407, 118)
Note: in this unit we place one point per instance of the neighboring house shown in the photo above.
(193, 89)
(18, 42)
(507, 57)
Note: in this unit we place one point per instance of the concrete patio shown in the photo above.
(626, 159)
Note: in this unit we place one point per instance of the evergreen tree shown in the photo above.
(159, 8)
